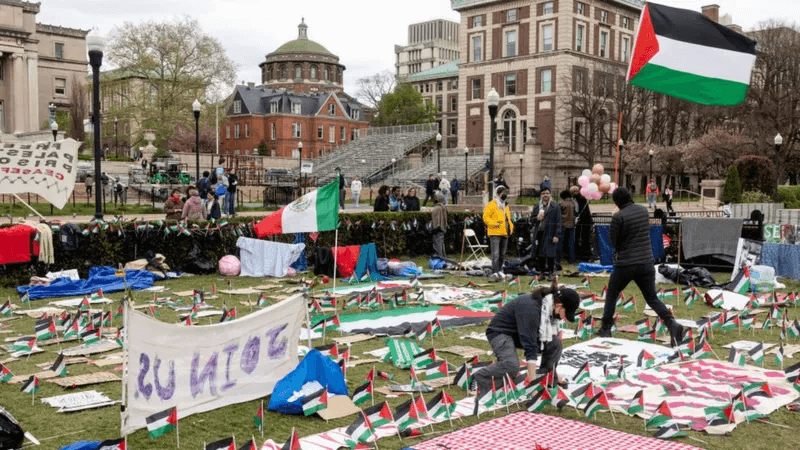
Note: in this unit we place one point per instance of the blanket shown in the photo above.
(711, 236)
(100, 277)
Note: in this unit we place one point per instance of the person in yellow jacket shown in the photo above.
(497, 217)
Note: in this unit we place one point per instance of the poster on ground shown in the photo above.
(47, 169)
(202, 368)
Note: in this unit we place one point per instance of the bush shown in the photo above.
(732, 191)
(756, 197)
(160, 153)
(789, 196)
(757, 173)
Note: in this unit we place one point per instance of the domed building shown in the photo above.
(302, 65)
(300, 105)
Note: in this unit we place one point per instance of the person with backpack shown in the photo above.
(444, 187)
(230, 198)
(203, 184)
(652, 193)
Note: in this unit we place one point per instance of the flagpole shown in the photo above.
(262, 419)
(124, 409)
(310, 331)
(335, 265)
(178, 432)
(373, 385)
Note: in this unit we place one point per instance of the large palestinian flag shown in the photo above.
(684, 54)
(316, 211)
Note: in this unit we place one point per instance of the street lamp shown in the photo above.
(778, 143)
(364, 165)
(96, 44)
(393, 161)
(300, 173)
(196, 110)
(116, 147)
(493, 99)
(466, 170)
(650, 154)
(620, 143)
(438, 152)
(520, 175)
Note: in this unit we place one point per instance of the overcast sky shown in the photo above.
(362, 33)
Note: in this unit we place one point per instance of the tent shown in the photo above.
(314, 367)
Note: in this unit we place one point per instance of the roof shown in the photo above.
(444, 71)
(463, 4)
(302, 46)
(258, 100)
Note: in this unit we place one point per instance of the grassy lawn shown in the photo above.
(43, 422)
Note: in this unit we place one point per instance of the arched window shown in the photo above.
(269, 73)
(510, 127)
(313, 72)
(298, 72)
(283, 72)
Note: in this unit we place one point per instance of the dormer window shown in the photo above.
(296, 108)
(332, 109)
(237, 106)
(354, 114)
(273, 107)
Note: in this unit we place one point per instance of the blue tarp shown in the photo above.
(368, 260)
(314, 367)
(594, 268)
(784, 258)
(82, 445)
(606, 252)
(100, 277)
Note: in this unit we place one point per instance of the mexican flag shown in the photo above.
(684, 54)
(316, 211)
(162, 422)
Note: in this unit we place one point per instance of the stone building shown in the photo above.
(439, 86)
(430, 44)
(38, 64)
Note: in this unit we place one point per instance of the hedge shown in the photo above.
(789, 196)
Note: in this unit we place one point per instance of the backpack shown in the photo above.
(202, 187)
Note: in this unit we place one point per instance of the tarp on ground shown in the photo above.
(100, 277)
(607, 252)
(394, 322)
(368, 261)
(314, 367)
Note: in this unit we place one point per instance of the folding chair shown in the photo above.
(474, 244)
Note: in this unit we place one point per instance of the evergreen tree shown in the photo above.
(732, 190)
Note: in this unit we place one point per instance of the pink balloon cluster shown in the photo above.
(594, 183)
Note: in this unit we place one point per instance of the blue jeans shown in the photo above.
(566, 244)
(230, 203)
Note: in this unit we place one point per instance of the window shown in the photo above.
(476, 88)
(313, 73)
(546, 77)
(354, 114)
(439, 86)
(274, 132)
(477, 21)
(237, 106)
(624, 50)
(511, 43)
(603, 43)
(547, 8)
(320, 133)
(547, 38)
(604, 16)
(283, 72)
(59, 50)
(511, 84)
(297, 108)
(453, 127)
(427, 87)
(454, 85)
(353, 134)
(510, 126)
(246, 130)
(581, 9)
(273, 107)
(626, 22)
(331, 133)
(453, 103)
(326, 74)
(227, 131)
(61, 86)
(332, 109)
(578, 132)
(341, 133)
(579, 31)
(298, 72)
(477, 51)
(511, 15)
(579, 81)
(297, 130)
(439, 103)
(236, 131)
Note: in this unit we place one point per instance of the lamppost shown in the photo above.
(466, 171)
(438, 152)
(520, 175)
(620, 143)
(116, 147)
(493, 99)
(393, 161)
(650, 155)
(778, 143)
(300, 173)
(196, 110)
(364, 166)
(96, 44)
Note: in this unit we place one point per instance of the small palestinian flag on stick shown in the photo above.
(598, 403)
(222, 444)
(293, 443)
(162, 422)
(363, 393)
(669, 432)
(315, 402)
(5, 309)
(59, 366)
(259, 418)
(31, 386)
(5, 374)
(26, 298)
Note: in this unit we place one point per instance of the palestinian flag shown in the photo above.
(262, 300)
(794, 329)
(463, 377)
(5, 309)
(441, 404)
(45, 329)
(222, 444)
(414, 379)
(584, 392)
(667, 295)
(661, 417)
(669, 432)
(560, 398)
(250, 445)
(315, 402)
(486, 399)
(316, 211)
(24, 344)
(360, 430)
(106, 319)
(31, 386)
(379, 414)
(779, 356)
(423, 333)
(112, 444)
(424, 359)
(582, 374)
(228, 314)
(630, 304)
(715, 301)
(539, 401)
(84, 306)
(716, 415)
(648, 336)
(259, 417)
(604, 291)
(436, 370)
(748, 321)
(761, 389)
(162, 422)
(586, 282)
(757, 353)
(59, 366)
(5, 374)
(330, 350)
(406, 414)
(90, 336)
(73, 330)
(363, 393)
(26, 298)
(637, 403)
(97, 295)
(736, 357)
(793, 372)
(436, 327)
(731, 323)
(598, 403)
(683, 54)
(643, 325)
(703, 352)
(293, 443)
(645, 359)
(198, 297)
(354, 301)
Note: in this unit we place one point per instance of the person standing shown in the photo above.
(583, 226)
(439, 224)
(173, 207)
(342, 187)
(411, 200)
(529, 322)
(454, 187)
(430, 187)
(355, 191)
(396, 200)
(545, 231)
(497, 217)
(193, 208)
(567, 243)
(230, 198)
(629, 237)
(382, 201)
(213, 207)
(652, 193)
(668, 198)
(203, 184)
(444, 187)
(89, 183)
(545, 184)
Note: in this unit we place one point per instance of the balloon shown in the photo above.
(598, 195)
(586, 173)
(612, 188)
(583, 181)
(605, 178)
(592, 187)
(604, 187)
(585, 191)
(595, 178)
(598, 169)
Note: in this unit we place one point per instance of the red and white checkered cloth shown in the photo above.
(524, 430)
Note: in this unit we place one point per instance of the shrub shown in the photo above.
(756, 197)
(789, 196)
(757, 173)
(732, 191)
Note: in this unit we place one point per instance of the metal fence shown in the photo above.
(374, 131)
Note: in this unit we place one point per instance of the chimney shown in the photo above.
(736, 28)
(711, 11)
(251, 84)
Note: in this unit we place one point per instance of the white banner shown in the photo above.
(44, 168)
(201, 368)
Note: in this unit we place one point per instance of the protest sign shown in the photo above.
(47, 169)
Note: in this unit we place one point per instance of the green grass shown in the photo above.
(43, 422)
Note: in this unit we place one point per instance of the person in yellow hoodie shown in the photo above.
(497, 217)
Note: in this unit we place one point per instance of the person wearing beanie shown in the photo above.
(629, 237)
(546, 229)
(500, 228)
(529, 322)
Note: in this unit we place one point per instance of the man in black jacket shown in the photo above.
(430, 187)
(633, 261)
(519, 324)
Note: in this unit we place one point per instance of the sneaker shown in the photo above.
(603, 333)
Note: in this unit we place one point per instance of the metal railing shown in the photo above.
(373, 131)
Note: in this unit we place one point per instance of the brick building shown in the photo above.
(300, 100)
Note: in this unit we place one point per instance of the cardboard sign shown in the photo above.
(44, 168)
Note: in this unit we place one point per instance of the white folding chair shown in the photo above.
(474, 244)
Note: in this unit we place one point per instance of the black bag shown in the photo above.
(70, 237)
(11, 434)
(198, 263)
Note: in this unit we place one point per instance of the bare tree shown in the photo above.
(372, 88)
(78, 109)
